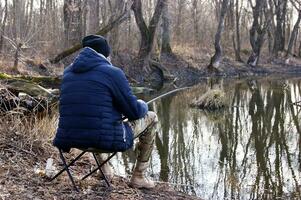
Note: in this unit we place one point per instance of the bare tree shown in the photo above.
(257, 31)
(216, 59)
(72, 21)
(179, 19)
(270, 15)
(166, 48)
(294, 33)
(28, 16)
(2, 31)
(116, 7)
(279, 39)
(235, 31)
(147, 33)
(93, 16)
(17, 54)
(196, 18)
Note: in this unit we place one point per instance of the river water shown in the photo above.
(251, 150)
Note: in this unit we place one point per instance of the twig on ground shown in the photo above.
(23, 150)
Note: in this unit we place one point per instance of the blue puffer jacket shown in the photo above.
(94, 97)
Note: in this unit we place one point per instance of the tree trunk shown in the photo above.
(42, 19)
(104, 12)
(116, 7)
(129, 41)
(234, 33)
(195, 17)
(56, 28)
(28, 17)
(72, 21)
(295, 43)
(279, 40)
(294, 34)
(14, 24)
(257, 32)
(166, 48)
(237, 23)
(3, 26)
(216, 59)
(271, 27)
(16, 62)
(299, 49)
(178, 27)
(93, 16)
(147, 33)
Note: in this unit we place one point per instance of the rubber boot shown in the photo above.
(138, 180)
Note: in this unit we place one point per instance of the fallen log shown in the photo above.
(30, 88)
(44, 81)
(37, 84)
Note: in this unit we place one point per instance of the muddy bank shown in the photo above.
(191, 71)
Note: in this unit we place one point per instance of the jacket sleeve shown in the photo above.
(124, 99)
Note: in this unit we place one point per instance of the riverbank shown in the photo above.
(186, 66)
(183, 68)
(26, 144)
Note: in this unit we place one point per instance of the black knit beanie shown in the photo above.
(98, 43)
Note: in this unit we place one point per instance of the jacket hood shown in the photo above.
(87, 60)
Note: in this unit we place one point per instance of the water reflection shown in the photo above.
(249, 151)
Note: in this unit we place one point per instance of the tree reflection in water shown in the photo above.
(250, 151)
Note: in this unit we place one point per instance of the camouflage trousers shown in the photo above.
(145, 130)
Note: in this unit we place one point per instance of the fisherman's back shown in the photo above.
(89, 116)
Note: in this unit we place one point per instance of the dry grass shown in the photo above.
(197, 56)
(211, 100)
(30, 133)
(30, 65)
(6, 65)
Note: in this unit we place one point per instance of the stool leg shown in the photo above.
(67, 169)
(99, 167)
(71, 163)
(94, 170)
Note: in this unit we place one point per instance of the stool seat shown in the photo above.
(94, 150)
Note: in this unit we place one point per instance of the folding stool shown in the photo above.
(99, 165)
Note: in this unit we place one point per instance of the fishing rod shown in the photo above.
(166, 94)
(162, 95)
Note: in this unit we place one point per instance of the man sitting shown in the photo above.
(95, 96)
